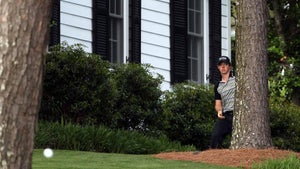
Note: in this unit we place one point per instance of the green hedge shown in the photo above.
(101, 139)
(84, 89)
(190, 114)
(138, 103)
(77, 87)
(285, 122)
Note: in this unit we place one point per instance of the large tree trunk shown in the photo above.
(23, 42)
(251, 116)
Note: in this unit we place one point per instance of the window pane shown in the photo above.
(116, 31)
(189, 69)
(114, 52)
(191, 21)
(195, 48)
(189, 47)
(112, 6)
(198, 5)
(111, 45)
(113, 27)
(195, 43)
(195, 70)
(200, 61)
(198, 22)
(191, 4)
(195, 59)
(119, 7)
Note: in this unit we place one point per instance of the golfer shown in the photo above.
(224, 103)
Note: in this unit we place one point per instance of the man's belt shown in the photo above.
(228, 113)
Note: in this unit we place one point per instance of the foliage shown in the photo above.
(284, 45)
(82, 88)
(101, 139)
(189, 110)
(138, 103)
(283, 84)
(76, 87)
(291, 163)
(283, 78)
(275, 53)
(285, 122)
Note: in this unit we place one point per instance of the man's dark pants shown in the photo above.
(222, 128)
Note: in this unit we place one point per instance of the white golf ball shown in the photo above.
(48, 152)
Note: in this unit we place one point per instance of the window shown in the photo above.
(195, 41)
(112, 32)
(116, 31)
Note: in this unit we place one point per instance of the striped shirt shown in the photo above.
(225, 91)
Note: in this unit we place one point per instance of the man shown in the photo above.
(224, 103)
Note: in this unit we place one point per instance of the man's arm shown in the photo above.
(218, 102)
(218, 107)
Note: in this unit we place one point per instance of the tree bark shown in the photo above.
(23, 42)
(251, 126)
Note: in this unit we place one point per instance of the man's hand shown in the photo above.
(220, 115)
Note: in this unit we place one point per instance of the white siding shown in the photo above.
(76, 22)
(155, 37)
(80, 2)
(226, 26)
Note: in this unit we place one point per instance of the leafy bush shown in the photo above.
(190, 114)
(138, 103)
(101, 139)
(283, 69)
(284, 85)
(285, 122)
(77, 87)
(82, 88)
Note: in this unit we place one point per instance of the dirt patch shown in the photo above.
(227, 157)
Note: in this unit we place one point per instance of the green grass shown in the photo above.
(65, 159)
(288, 163)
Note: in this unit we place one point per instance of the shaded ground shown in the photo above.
(226, 157)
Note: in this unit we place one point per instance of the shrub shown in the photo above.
(190, 114)
(77, 87)
(284, 85)
(285, 122)
(101, 139)
(138, 103)
(82, 88)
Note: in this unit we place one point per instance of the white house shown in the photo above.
(181, 39)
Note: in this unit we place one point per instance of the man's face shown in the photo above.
(224, 68)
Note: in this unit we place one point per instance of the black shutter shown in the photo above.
(101, 29)
(55, 24)
(214, 38)
(135, 31)
(179, 65)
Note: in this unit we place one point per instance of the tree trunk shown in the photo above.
(251, 116)
(23, 42)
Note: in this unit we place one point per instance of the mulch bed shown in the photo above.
(226, 157)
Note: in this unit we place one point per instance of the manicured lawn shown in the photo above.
(64, 159)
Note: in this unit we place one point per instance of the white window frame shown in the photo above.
(205, 44)
(206, 40)
(125, 30)
(124, 42)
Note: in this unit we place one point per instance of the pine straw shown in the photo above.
(226, 157)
